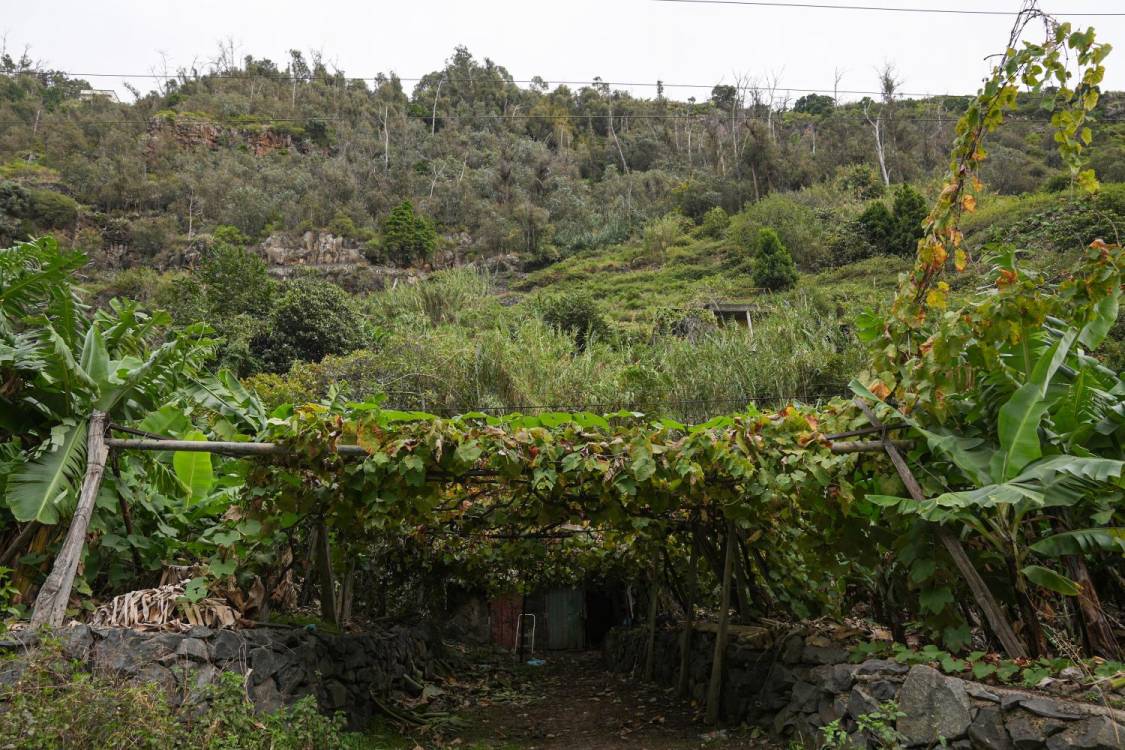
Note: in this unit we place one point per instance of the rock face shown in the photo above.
(794, 690)
(311, 249)
(343, 672)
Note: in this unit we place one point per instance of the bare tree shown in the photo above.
(888, 85)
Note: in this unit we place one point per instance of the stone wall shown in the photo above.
(793, 689)
(281, 664)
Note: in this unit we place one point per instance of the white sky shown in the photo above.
(619, 40)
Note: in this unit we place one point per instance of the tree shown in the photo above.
(408, 236)
(773, 266)
(815, 104)
(878, 225)
(313, 318)
(909, 212)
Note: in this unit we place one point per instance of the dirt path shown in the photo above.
(572, 702)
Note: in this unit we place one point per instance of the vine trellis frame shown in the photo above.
(742, 435)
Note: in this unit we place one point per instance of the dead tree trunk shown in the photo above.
(50, 604)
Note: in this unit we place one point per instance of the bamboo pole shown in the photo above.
(683, 685)
(50, 603)
(997, 620)
(714, 688)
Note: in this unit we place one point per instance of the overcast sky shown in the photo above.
(619, 40)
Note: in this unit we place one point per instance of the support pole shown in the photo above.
(715, 687)
(650, 644)
(683, 685)
(327, 584)
(50, 604)
(997, 620)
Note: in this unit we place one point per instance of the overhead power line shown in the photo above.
(286, 77)
(888, 9)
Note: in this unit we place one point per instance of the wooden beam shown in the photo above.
(997, 620)
(715, 687)
(869, 446)
(215, 446)
(50, 603)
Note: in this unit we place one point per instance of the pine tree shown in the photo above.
(407, 236)
(909, 213)
(773, 266)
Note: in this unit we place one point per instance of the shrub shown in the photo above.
(235, 281)
(51, 210)
(312, 318)
(715, 223)
(662, 234)
(773, 266)
(14, 203)
(694, 199)
(56, 703)
(798, 225)
(861, 181)
(150, 235)
(575, 313)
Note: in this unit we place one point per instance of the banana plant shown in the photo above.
(62, 363)
(1032, 459)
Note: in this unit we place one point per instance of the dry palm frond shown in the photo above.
(164, 607)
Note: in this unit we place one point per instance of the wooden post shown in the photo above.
(997, 620)
(715, 687)
(650, 645)
(683, 685)
(50, 604)
(324, 568)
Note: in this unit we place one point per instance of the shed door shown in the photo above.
(566, 619)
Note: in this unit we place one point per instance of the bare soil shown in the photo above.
(572, 702)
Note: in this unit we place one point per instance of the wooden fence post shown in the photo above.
(997, 620)
(689, 620)
(50, 603)
(715, 687)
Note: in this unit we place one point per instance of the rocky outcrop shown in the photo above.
(281, 665)
(316, 249)
(189, 133)
(794, 689)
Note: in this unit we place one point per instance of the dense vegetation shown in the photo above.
(1001, 364)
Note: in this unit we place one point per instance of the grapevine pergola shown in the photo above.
(487, 474)
(364, 472)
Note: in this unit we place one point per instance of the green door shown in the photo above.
(566, 619)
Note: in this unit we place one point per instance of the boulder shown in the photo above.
(226, 646)
(1028, 731)
(936, 707)
(194, 649)
(1093, 733)
(861, 702)
(835, 678)
(987, 731)
(823, 655)
(881, 666)
(266, 697)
